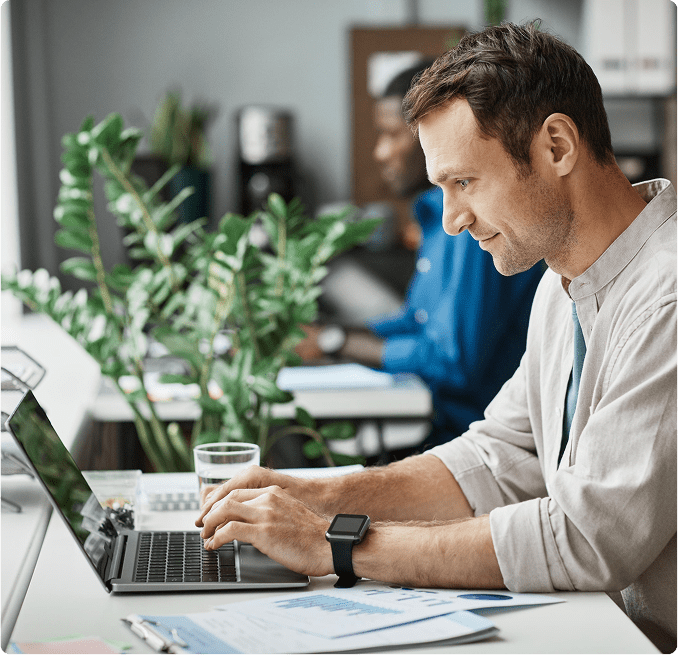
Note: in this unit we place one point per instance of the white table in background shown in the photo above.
(407, 402)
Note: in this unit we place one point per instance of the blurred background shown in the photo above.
(282, 93)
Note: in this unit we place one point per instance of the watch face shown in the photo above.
(347, 524)
(331, 339)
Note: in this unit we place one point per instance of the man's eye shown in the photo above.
(463, 183)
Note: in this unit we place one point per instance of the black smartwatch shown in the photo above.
(345, 531)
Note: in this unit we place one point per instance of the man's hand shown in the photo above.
(254, 477)
(275, 523)
(308, 349)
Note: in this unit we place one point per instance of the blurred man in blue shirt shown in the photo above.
(462, 326)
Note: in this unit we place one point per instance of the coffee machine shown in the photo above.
(266, 157)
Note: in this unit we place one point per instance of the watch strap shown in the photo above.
(342, 558)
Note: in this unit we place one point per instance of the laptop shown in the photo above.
(128, 560)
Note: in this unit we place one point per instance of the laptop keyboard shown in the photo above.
(180, 557)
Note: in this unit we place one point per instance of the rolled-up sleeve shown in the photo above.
(496, 461)
(612, 510)
(605, 515)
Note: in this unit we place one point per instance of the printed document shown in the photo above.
(371, 614)
(369, 605)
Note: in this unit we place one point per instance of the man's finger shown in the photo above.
(213, 497)
(240, 530)
(244, 495)
(210, 499)
(225, 511)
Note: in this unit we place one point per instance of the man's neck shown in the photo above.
(605, 204)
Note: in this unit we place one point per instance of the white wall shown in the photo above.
(83, 57)
(107, 55)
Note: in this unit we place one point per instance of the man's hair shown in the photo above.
(401, 83)
(514, 77)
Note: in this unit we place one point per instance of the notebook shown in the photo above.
(131, 560)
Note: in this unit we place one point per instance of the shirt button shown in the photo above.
(423, 264)
(421, 316)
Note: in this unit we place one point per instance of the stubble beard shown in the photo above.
(551, 237)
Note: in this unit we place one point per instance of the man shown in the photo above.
(514, 131)
(463, 325)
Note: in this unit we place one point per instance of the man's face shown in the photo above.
(518, 218)
(398, 152)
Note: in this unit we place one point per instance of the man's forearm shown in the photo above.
(457, 554)
(362, 346)
(418, 488)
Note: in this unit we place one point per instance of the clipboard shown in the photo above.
(176, 634)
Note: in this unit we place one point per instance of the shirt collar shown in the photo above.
(661, 198)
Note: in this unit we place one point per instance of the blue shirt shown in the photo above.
(463, 325)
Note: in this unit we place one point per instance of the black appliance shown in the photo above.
(266, 156)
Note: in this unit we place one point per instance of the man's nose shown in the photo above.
(456, 218)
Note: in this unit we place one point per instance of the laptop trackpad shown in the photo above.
(255, 567)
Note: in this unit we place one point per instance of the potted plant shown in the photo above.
(177, 137)
(187, 286)
(495, 11)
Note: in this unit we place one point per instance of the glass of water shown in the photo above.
(216, 463)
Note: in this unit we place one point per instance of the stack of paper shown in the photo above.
(369, 615)
(335, 376)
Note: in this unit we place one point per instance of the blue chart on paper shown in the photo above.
(485, 596)
(333, 604)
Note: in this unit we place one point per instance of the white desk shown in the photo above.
(22, 537)
(407, 398)
(66, 391)
(65, 599)
(72, 377)
(392, 416)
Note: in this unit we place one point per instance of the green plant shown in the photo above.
(188, 286)
(177, 135)
(495, 11)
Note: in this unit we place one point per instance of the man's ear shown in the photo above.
(558, 143)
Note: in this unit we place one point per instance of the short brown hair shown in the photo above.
(514, 77)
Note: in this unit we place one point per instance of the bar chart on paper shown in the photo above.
(370, 606)
(348, 607)
(335, 614)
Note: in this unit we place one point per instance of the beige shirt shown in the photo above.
(605, 519)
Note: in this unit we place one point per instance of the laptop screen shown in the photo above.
(61, 477)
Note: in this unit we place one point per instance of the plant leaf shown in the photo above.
(269, 390)
(347, 460)
(312, 449)
(304, 418)
(337, 430)
(277, 206)
(120, 277)
(73, 241)
(80, 267)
